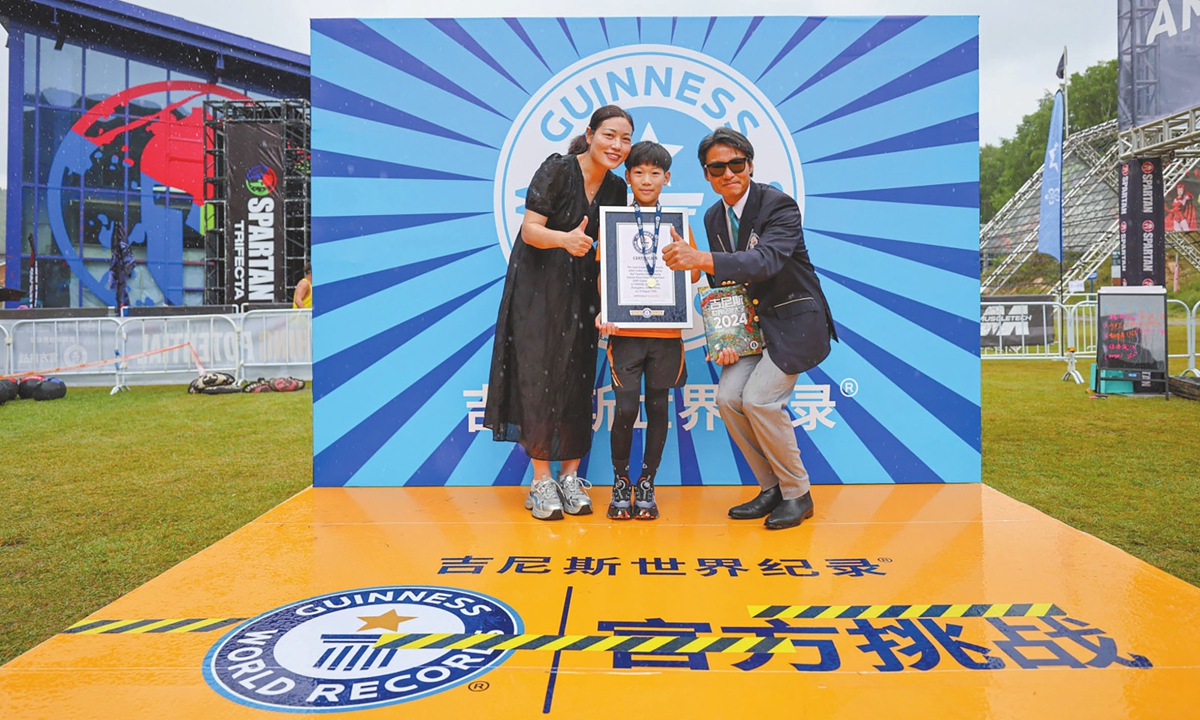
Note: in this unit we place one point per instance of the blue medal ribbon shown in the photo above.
(641, 244)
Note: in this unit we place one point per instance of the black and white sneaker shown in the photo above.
(645, 508)
(620, 506)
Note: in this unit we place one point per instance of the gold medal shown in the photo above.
(651, 283)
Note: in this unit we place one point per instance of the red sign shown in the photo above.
(1148, 226)
(1147, 167)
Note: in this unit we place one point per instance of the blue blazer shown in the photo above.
(770, 259)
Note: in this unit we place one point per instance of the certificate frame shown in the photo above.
(625, 298)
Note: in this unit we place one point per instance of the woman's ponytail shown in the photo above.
(579, 143)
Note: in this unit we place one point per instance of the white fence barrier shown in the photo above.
(84, 344)
(160, 350)
(1075, 331)
(277, 342)
(1191, 342)
(4, 342)
(211, 339)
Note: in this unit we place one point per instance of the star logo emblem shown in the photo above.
(389, 621)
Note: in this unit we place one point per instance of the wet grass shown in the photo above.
(1126, 470)
(101, 494)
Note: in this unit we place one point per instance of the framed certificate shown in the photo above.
(637, 289)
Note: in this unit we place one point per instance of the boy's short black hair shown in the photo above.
(648, 152)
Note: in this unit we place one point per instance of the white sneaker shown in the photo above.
(543, 499)
(575, 500)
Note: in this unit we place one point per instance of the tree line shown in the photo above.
(1004, 168)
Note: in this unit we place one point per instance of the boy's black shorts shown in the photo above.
(660, 360)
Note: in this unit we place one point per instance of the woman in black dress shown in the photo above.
(544, 358)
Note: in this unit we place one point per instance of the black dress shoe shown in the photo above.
(790, 513)
(760, 506)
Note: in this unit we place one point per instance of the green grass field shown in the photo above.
(101, 493)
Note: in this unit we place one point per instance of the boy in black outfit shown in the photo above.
(634, 353)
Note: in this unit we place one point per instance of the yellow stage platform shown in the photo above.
(894, 602)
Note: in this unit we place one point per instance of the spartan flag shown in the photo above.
(1050, 216)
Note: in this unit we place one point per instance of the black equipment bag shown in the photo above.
(49, 389)
(25, 388)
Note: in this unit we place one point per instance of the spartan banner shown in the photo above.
(254, 216)
(1143, 237)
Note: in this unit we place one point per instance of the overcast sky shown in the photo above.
(1020, 40)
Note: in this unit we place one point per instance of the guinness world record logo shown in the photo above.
(286, 659)
(663, 76)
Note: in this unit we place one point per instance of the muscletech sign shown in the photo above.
(318, 655)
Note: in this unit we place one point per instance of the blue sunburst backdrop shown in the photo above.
(427, 132)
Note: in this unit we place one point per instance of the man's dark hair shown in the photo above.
(648, 152)
(308, 268)
(725, 136)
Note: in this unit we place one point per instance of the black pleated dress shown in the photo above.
(544, 357)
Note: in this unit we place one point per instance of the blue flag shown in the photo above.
(1050, 218)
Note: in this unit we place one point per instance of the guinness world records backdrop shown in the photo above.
(426, 132)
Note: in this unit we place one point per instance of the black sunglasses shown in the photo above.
(717, 169)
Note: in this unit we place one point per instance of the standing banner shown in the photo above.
(426, 133)
(254, 240)
(1143, 237)
(1050, 217)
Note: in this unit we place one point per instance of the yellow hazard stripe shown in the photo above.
(107, 627)
(154, 626)
(888, 612)
(467, 642)
(652, 645)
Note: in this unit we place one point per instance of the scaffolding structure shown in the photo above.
(1010, 262)
(296, 118)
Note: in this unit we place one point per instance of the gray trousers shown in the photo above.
(751, 396)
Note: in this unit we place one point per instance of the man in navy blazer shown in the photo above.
(755, 239)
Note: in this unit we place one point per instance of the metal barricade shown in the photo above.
(212, 339)
(1191, 342)
(70, 347)
(5, 354)
(1188, 322)
(1084, 328)
(277, 342)
(1013, 330)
